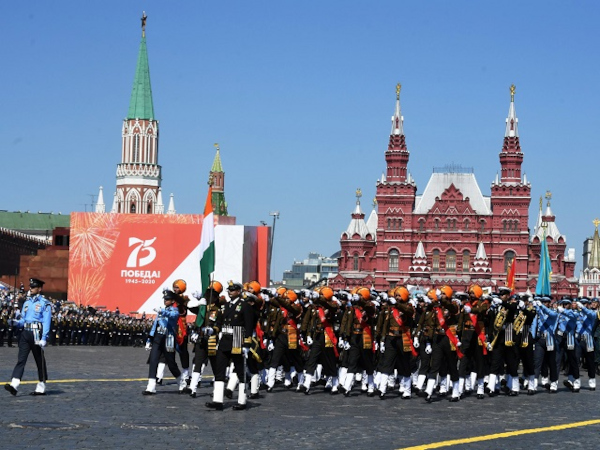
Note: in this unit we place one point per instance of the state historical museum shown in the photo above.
(451, 233)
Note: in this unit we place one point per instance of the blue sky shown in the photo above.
(299, 96)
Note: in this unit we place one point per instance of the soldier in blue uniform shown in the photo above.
(36, 320)
(162, 341)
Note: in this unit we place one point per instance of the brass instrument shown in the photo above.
(519, 322)
(498, 324)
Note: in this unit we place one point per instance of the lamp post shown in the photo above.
(275, 215)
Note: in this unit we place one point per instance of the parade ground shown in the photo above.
(94, 401)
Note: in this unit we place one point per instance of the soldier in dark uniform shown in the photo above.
(208, 324)
(356, 332)
(234, 345)
(397, 342)
(320, 336)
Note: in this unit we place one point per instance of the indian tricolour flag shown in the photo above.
(207, 243)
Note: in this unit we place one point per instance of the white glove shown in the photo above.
(148, 345)
(355, 298)
(245, 350)
(271, 346)
(194, 338)
(208, 331)
(315, 295)
(413, 302)
(346, 345)
(427, 300)
(42, 343)
(560, 309)
(273, 292)
(458, 344)
(157, 310)
(521, 304)
(341, 343)
(265, 297)
(382, 347)
(194, 303)
(489, 347)
(416, 342)
(309, 341)
(576, 335)
(579, 305)
(428, 349)
(392, 301)
(376, 346)
(496, 301)
(537, 303)
(197, 295)
(467, 309)
(384, 295)
(265, 342)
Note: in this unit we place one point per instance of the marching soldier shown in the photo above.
(397, 345)
(234, 345)
(209, 321)
(544, 356)
(445, 348)
(321, 338)
(162, 341)
(584, 332)
(356, 331)
(36, 320)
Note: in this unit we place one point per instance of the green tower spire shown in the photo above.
(140, 105)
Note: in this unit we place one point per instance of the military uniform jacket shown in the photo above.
(239, 319)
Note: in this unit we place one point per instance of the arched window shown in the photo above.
(355, 266)
(149, 208)
(467, 221)
(451, 261)
(393, 260)
(466, 260)
(389, 223)
(132, 208)
(508, 257)
(421, 224)
(435, 261)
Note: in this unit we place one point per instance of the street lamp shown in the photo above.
(275, 215)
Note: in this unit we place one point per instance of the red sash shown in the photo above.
(181, 330)
(479, 332)
(329, 330)
(292, 323)
(407, 335)
(451, 336)
(366, 327)
(260, 335)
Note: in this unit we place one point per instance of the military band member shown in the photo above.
(36, 319)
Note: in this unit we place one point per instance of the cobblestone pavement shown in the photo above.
(80, 413)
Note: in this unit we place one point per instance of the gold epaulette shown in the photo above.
(248, 340)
